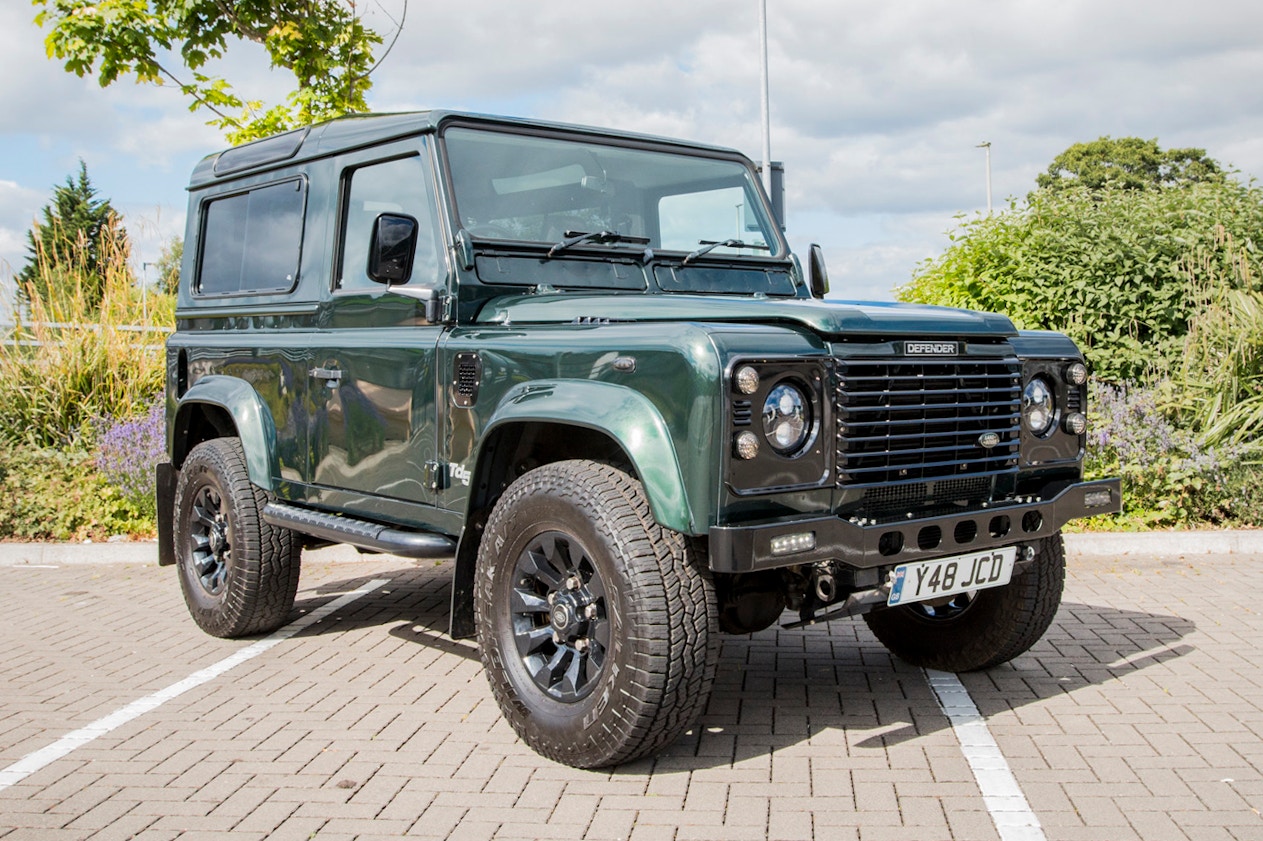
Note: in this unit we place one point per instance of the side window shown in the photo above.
(252, 242)
(398, 186)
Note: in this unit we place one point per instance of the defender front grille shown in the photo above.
(919, 420)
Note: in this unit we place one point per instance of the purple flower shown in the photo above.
(129, 449)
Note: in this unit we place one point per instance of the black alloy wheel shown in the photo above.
(559, 615)
(238, 574)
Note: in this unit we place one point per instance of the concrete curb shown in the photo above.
(1087, 544)
(1225, 542)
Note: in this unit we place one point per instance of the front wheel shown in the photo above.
(597, 627)
(239, 574)
(978, 630)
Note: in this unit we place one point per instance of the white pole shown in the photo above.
(763, 99)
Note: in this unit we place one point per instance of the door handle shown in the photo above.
(331, 376)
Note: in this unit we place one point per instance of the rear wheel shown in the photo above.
(239, 575)
(982, 629)
(597, 627)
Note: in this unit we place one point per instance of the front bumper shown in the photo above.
(865, 544)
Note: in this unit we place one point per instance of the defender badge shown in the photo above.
(929, 348)
(988, 440)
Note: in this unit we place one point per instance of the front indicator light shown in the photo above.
(747, 380)
(792, 544)
(1076, 423)
(746, 445)
(1076, 373)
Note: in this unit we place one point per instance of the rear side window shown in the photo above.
(252, 242)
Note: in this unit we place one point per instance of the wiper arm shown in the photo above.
(709, 245)
(573, 238)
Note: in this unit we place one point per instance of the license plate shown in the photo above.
(948, 576)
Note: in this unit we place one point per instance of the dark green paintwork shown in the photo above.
(255, 425)
(366, 447)
(620, 412)
(824, 317)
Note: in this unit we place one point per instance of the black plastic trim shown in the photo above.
(166, 476)
(865, 543)
(359, 533)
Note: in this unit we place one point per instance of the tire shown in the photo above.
(598, 629)
(985, 630)
(239, 575)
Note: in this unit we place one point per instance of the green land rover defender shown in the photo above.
(586, 366)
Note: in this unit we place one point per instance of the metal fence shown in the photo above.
(13, 332)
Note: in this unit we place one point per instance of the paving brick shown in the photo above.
(815, 733)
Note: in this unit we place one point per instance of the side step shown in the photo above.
(359, 533)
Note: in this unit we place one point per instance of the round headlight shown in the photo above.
(1039, 409)
(786, 419)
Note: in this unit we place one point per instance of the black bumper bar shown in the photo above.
(865, 543)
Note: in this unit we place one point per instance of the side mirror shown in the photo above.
(392, 248)
(817, 273)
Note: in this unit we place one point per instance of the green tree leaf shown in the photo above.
(322, 43)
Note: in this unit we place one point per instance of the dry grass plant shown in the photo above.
(90, 347)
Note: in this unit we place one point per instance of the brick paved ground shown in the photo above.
(1139, 716)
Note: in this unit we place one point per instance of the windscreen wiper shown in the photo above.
(573, 238)
(708, 245)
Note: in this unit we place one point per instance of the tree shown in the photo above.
(168, 265)
(323, 43)
(1122, 271)
(77, 237)
(1128, 163)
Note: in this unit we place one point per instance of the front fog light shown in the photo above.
(746, 445)
(1096, 499)
(792, 544)
(1076, 423)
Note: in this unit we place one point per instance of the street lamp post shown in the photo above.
(986, 144)
(765, 107)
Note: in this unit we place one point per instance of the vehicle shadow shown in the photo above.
(832, 685)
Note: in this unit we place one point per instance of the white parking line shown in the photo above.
(1009, 810)
(33, 762)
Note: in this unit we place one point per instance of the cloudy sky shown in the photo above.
(877, 108)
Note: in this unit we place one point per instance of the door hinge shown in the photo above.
(436, 478)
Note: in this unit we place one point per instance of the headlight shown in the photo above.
(1039, 409)
(786, 419)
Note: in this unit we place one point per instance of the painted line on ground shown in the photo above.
(1011, 814)
(33, 762)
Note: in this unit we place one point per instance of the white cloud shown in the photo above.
(19, 206)
(877, 109)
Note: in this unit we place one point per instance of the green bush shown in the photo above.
(59, 495)
(1121, 271)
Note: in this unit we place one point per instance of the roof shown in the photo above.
(360, 130)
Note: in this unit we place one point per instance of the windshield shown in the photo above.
(549, 190)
